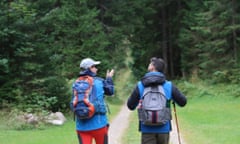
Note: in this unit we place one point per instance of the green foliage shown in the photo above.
(42, 46)
(206, 38)
(226, 76)
(4, 66)
(57, 93)
(191, 90)
(44, 41)
(35, 103)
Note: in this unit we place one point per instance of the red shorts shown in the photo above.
(99, 135)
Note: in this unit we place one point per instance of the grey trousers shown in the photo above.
(155, 138)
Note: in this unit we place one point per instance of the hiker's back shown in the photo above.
(154, 106)
(98, 120)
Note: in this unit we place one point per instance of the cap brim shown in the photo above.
(97, 62)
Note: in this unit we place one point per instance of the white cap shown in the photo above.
(88, 62)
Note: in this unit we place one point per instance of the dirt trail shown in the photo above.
(119, 124)
(174, 135)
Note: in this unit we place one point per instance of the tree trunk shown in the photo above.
(234, 32)
(171, 51)
(164, 37)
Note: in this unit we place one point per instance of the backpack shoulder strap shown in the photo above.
(140, 88)
(167, 86)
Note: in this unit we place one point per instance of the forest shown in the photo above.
(43, 41)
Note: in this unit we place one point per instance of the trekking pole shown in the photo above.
(175, 112)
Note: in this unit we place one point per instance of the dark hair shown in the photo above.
(158, 63)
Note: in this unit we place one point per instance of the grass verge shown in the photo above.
(53, 134)
(211, 120)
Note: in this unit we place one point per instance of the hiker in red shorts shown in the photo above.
(96, 127)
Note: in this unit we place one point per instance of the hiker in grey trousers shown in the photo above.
(155, 76)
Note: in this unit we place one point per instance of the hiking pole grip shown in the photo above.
(176, 120)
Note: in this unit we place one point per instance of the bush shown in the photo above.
(50, 94)
(58, 92)
(226, 76)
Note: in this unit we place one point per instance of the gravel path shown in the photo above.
(119, 124)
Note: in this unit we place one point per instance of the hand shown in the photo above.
(110, 73)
